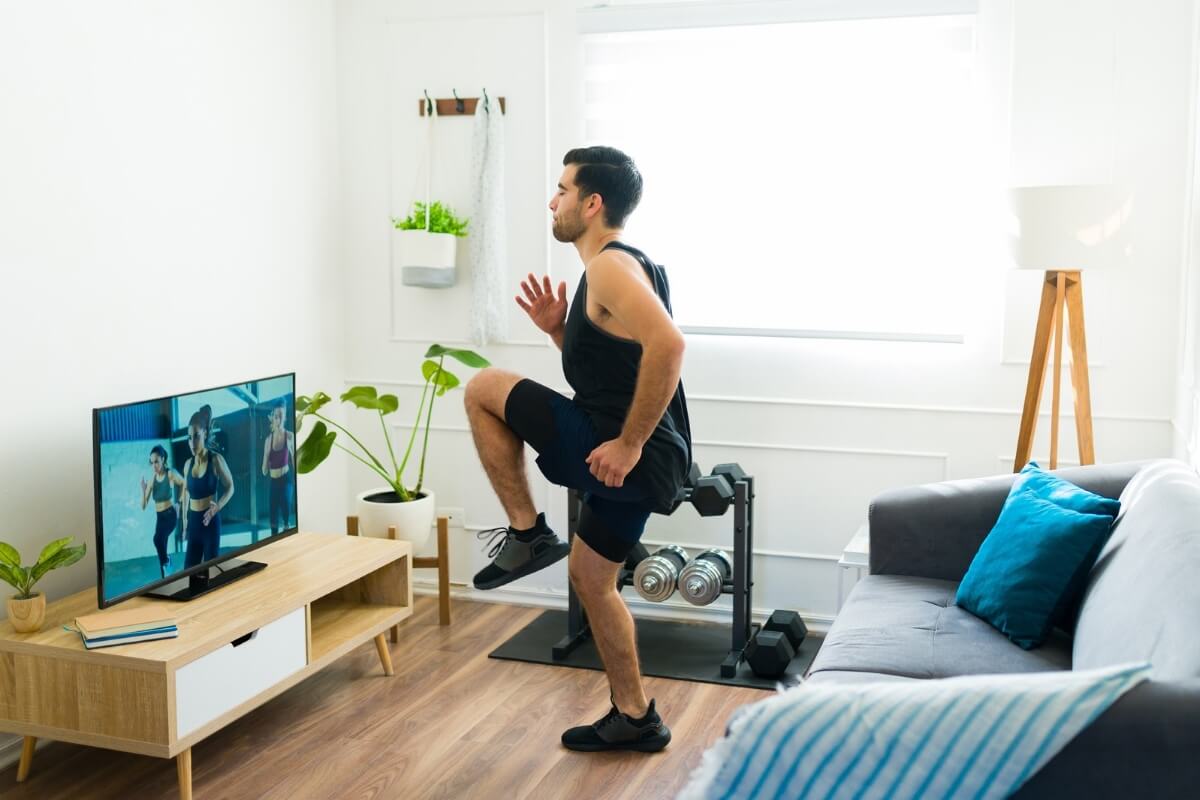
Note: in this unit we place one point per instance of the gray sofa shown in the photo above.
(1142, 602)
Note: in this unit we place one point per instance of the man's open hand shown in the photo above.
(547, 311)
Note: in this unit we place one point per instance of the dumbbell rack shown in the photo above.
(740, 587)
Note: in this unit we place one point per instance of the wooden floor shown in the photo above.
(452, 723)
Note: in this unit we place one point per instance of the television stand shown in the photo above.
(216, 576)
(323, 596)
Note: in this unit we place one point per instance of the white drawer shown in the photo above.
(225, 678)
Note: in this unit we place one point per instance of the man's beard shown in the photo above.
(568, 229)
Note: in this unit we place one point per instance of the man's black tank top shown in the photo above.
(603, 371)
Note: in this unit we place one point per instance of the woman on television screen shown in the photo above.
(206, 474)
(161, 488)
(279, 451)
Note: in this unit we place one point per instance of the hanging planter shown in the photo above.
(426, 241)
(426, 246)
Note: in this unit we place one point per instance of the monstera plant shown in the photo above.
(324, 437)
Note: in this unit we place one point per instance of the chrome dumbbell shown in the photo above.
(701, 579)
(655, 577)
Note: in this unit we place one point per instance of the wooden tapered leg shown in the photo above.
(352, 526)
(443, 556)
(384, 656)
(26, 758)
(183, 764)
(1079, 370)
(1037, 372)
(1060, 295)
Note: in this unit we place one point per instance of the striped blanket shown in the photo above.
(978, 736)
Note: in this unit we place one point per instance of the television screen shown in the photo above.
(186, 481)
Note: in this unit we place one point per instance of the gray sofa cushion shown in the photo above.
(907, 626)
(1142, 601)
(842, 678)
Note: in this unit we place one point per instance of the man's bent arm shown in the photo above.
(658, 377)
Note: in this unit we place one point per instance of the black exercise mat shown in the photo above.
(689, 651)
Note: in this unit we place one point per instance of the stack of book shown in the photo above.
(125, 626)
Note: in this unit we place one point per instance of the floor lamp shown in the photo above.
(1063, 230)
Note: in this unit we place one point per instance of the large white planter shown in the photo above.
(425, 259)
(413, 520)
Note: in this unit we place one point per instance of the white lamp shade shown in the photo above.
(1069, 227)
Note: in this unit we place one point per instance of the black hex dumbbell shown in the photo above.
(712, 496)
(769, 654)
(733, 472)
(790, 624)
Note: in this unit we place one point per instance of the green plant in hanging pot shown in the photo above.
(27, 608)
(407, 506)
(426, 245)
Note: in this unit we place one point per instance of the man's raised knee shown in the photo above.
(473, 389)
(488, 389)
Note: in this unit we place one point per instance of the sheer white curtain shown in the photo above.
(811, 176)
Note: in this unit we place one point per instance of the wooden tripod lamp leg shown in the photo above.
(1079, 370)
(1060, 294)
(1037, 372)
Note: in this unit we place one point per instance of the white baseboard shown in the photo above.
(10, 745)
(555, 598)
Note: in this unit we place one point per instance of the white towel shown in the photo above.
(487, 241)
(978, 736)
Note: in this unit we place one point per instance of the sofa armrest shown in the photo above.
(1143, 745)
(934, 530)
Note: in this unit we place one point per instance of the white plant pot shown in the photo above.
(413, 520)
(426, 259)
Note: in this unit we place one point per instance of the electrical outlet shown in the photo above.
(458, 516)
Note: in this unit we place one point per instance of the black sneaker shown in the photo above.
(618, 731)
(515, 555)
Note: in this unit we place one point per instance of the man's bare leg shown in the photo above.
(500, 450)
(595, 580)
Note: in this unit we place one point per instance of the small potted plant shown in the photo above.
(27, 608)
(409, 507)
(426, 245)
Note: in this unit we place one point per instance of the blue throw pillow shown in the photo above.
(1022, 578)
(1063, 493)
(1068, 495)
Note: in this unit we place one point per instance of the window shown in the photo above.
(801, 176)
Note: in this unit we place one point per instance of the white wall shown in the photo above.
(824, 425)
(168, 177)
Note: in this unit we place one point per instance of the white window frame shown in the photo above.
(622, 16)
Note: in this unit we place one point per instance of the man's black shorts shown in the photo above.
(613, 518)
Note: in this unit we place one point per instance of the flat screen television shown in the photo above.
(187, 483)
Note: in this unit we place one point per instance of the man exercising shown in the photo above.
(623, 441)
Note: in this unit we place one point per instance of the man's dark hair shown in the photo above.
(608, 172)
